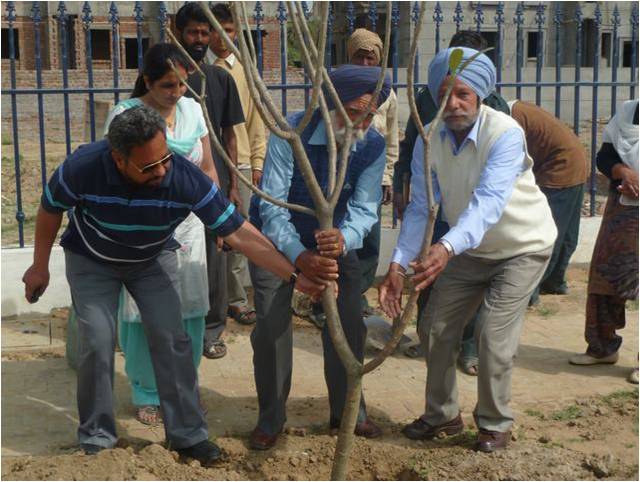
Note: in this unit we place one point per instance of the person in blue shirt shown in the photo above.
(322, 256)
(125, 196)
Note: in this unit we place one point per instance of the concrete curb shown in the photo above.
(16, 260)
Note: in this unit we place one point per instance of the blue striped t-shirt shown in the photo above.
(113, 221)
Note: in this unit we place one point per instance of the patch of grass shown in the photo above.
(534, 413)
(7, 139)
(620, 396)
(418, 467)
(569, 413)
(630, 445)
(632, 305)
(546, 311)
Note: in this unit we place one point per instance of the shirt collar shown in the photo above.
(319, 136)
(471, 137)
(211, 58)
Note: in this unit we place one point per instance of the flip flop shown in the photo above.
(244, 317)
(414, 351)
(214, 349)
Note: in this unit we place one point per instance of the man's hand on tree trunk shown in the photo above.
(317, 268)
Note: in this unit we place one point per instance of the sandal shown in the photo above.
(214, 349)
(469, 366)
(415, 351)
(149, 415)
(244, 316)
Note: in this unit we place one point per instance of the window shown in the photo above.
(100, 44)
(492, 41)
(605, 48)
(532, 44)
(5, 44)
(626, 52)
(131, 51)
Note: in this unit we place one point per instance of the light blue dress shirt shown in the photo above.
(505, 163)
(362, 207)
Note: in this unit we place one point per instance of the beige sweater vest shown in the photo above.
(526, 225)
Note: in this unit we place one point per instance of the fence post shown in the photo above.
(87, 19)
(137, 10)
(63, 40)
(576, 89)
(499, 20)
(540, 19)
(162, 21)
(478, 17)
(37, 19)
(373, 16)
(306, 13)
(519, 20)
(258, 16)
(395, 21)
(557, 21)
(327, 49)
(458, 18)
(115, 47)
(594, 111)
(615, 22)
(351, 18)
(282, 20)
(437, 19)
(11, 18)
(634, 50)
(415, 16)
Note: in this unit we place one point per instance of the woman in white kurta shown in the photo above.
(159, 87)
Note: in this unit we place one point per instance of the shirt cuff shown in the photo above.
(292, 249)
(401, 258)
(351, 239)
(457, 240)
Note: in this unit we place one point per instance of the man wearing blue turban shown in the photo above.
(489, 261)
(325, 256)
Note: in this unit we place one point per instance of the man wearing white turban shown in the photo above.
(500, 239)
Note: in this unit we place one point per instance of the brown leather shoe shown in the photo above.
(260, 440)
(421, 430)
(490, 441)
(366, 429)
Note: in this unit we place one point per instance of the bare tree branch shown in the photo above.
(222, 151)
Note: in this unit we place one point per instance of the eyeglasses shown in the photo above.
(150, 167)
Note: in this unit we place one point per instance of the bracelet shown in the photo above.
(399, 273)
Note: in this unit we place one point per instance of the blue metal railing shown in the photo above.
(402, 17)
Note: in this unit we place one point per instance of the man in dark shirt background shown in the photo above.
(225, 111)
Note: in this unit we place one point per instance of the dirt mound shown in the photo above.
(539, 451)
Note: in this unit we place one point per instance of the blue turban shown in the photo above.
(353, 81)
(479, 75)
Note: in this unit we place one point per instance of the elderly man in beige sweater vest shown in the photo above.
(252, 148)
(492, 258)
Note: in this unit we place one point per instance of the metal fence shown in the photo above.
(498, 24)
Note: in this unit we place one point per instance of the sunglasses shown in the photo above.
(150, 167)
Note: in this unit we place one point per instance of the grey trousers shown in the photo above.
(237, 262)
(500, 289)
(272, 341)
(216, 319)
(95, 292)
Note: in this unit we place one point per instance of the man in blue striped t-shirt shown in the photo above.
(125, 197)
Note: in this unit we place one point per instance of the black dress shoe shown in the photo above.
(366, 429)
(91, 449)
(205, 452)
(261, 440)
(490, 441)
(421, 430)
